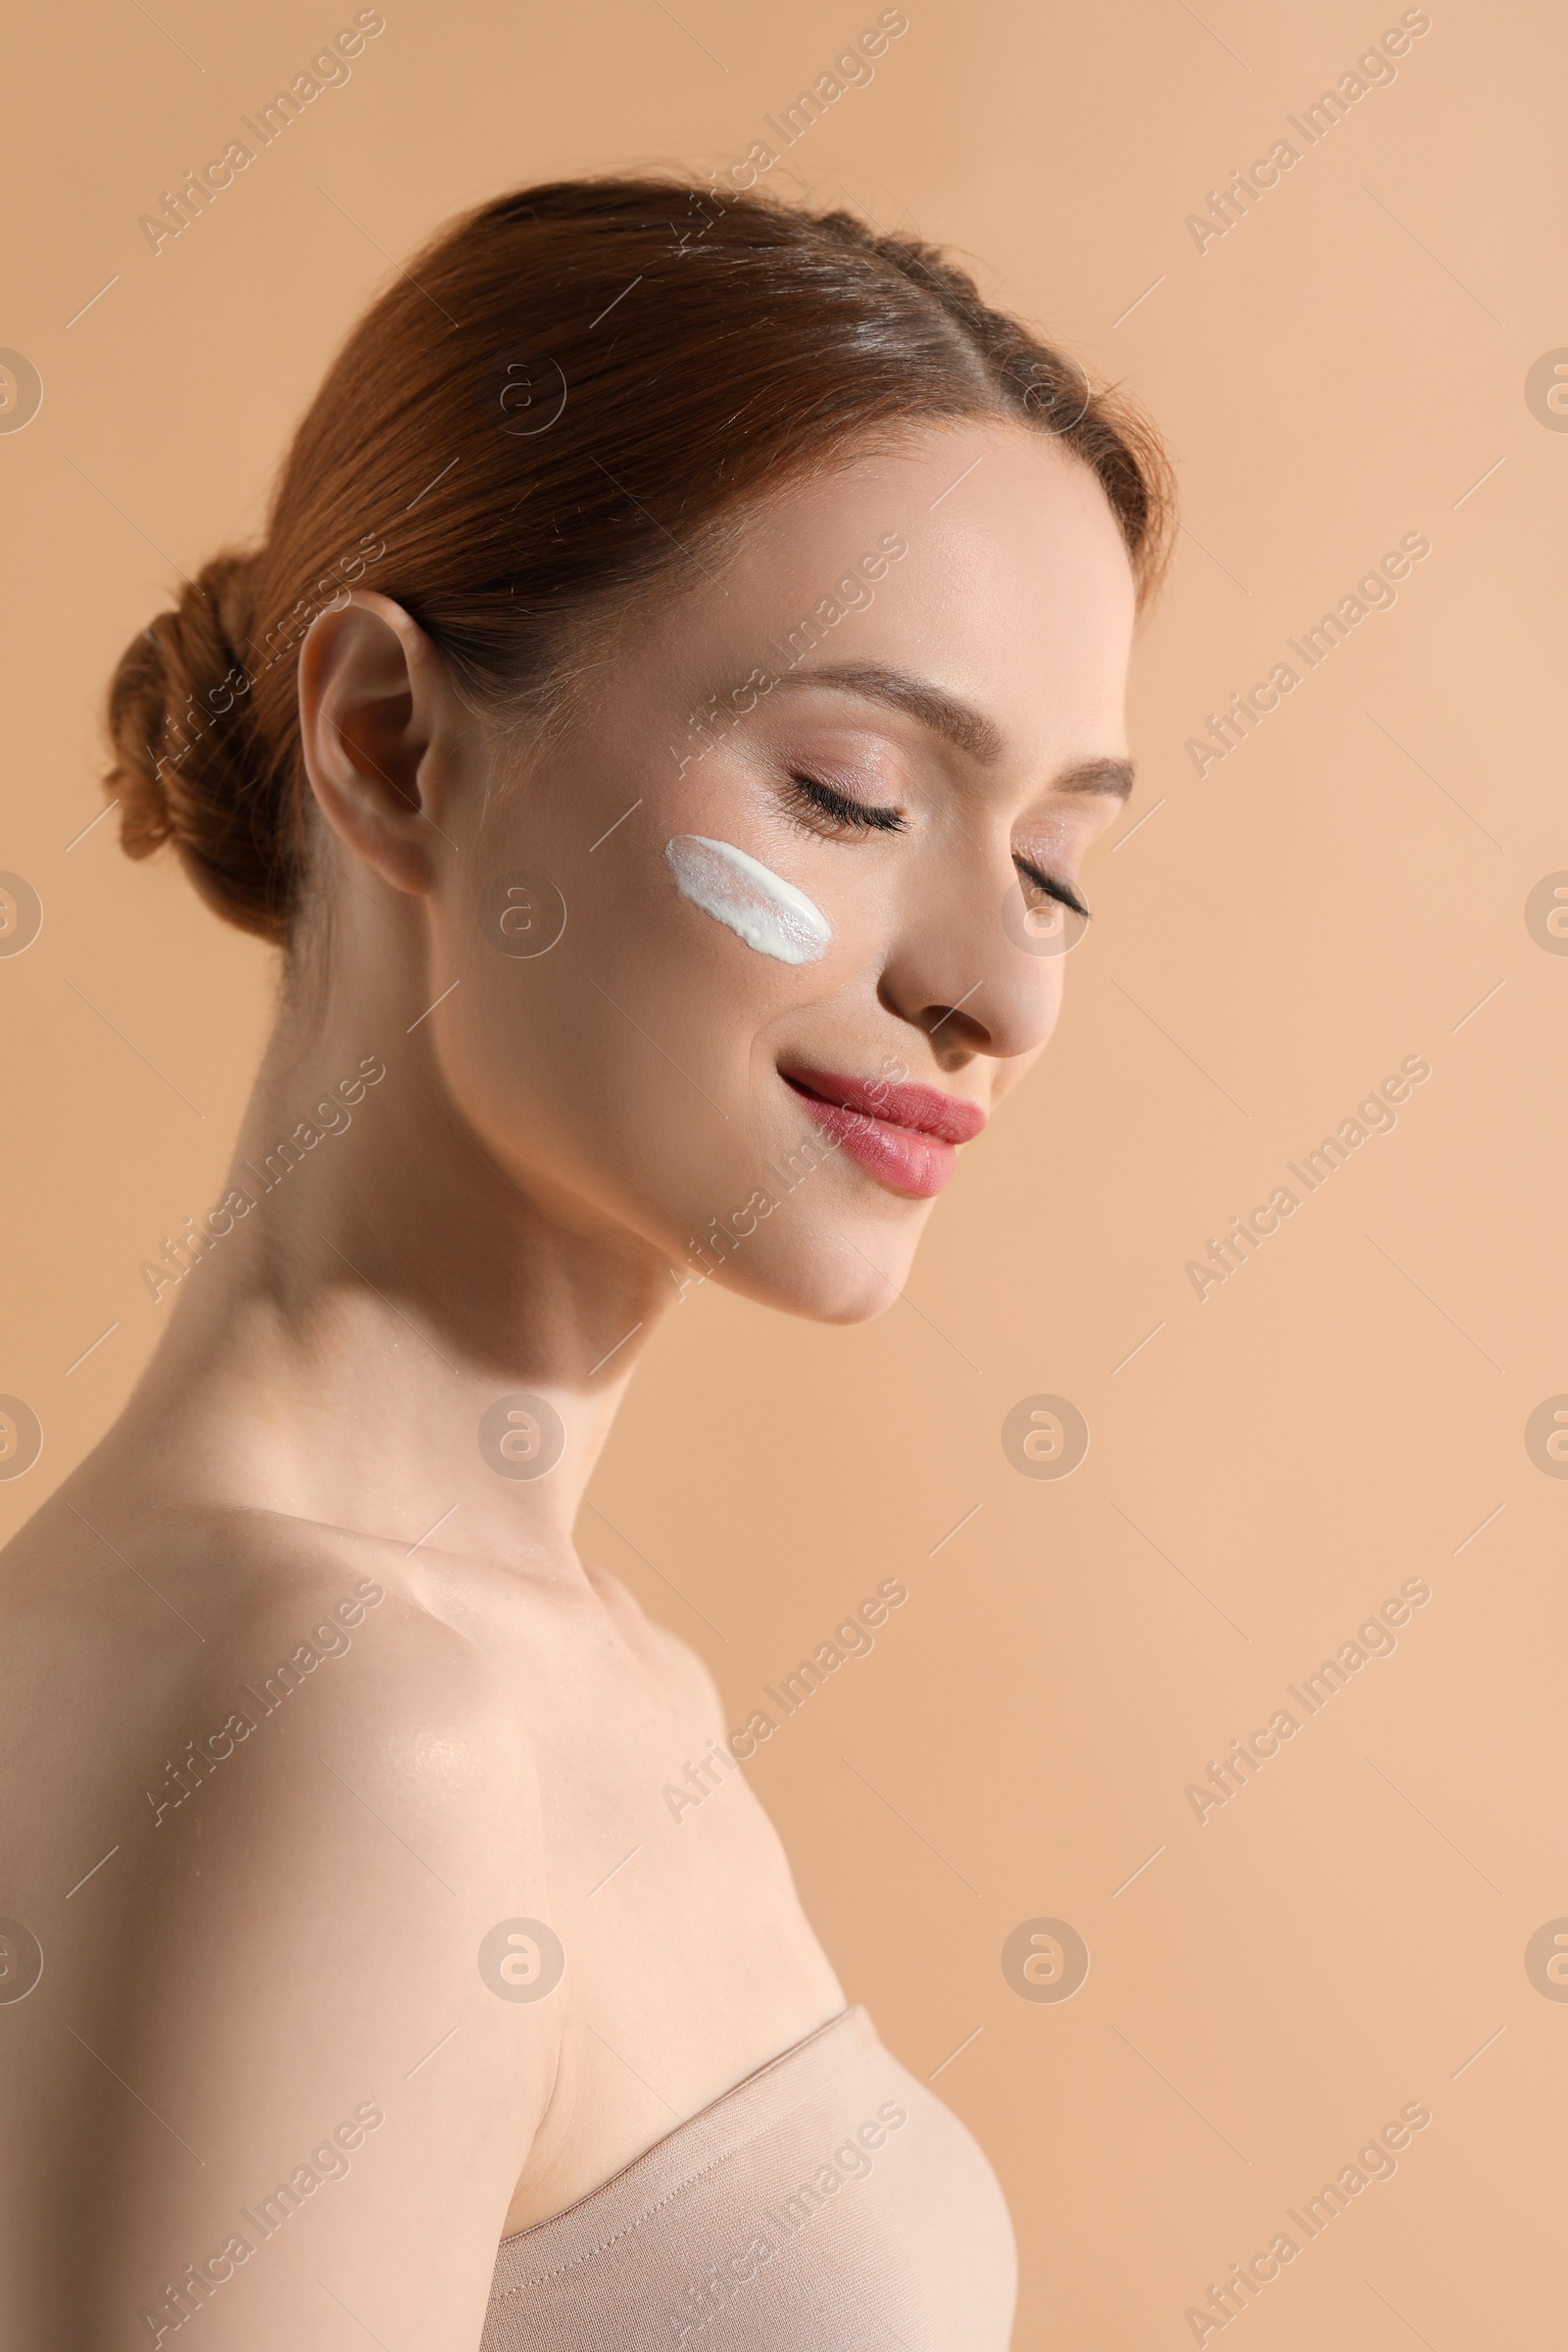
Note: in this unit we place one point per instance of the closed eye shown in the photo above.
(818, 802)
(815, 801)
(1053, 889)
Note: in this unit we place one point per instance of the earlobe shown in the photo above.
(369, 687)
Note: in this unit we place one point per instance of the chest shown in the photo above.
(660, 1851)
(689, 1958)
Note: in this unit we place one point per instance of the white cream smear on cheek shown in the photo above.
(759, 906)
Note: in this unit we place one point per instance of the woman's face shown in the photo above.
(770, 1093)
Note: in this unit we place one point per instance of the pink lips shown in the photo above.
(905, 1136)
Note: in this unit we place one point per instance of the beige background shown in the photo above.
(1342, 891)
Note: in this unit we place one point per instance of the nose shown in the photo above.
(976, 964)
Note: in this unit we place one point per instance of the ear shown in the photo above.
(374, 696)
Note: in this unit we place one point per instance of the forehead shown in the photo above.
(980, 556)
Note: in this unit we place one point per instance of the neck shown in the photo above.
(370, 1342)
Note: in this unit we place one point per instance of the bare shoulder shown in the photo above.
(302, 1801)
(209, 1629)
(294, 1599)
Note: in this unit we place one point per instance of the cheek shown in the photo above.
(618, 1056)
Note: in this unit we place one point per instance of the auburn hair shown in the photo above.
(562, 406)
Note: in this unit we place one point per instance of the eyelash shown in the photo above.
(1052, 887)
(815, 800)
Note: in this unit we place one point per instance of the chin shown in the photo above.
(837, 1276)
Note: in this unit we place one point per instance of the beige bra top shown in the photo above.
(829, 2201)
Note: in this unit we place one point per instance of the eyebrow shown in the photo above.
(956, 722)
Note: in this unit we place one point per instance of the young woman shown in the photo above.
(662, 728)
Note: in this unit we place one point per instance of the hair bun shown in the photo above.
(190, 765)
